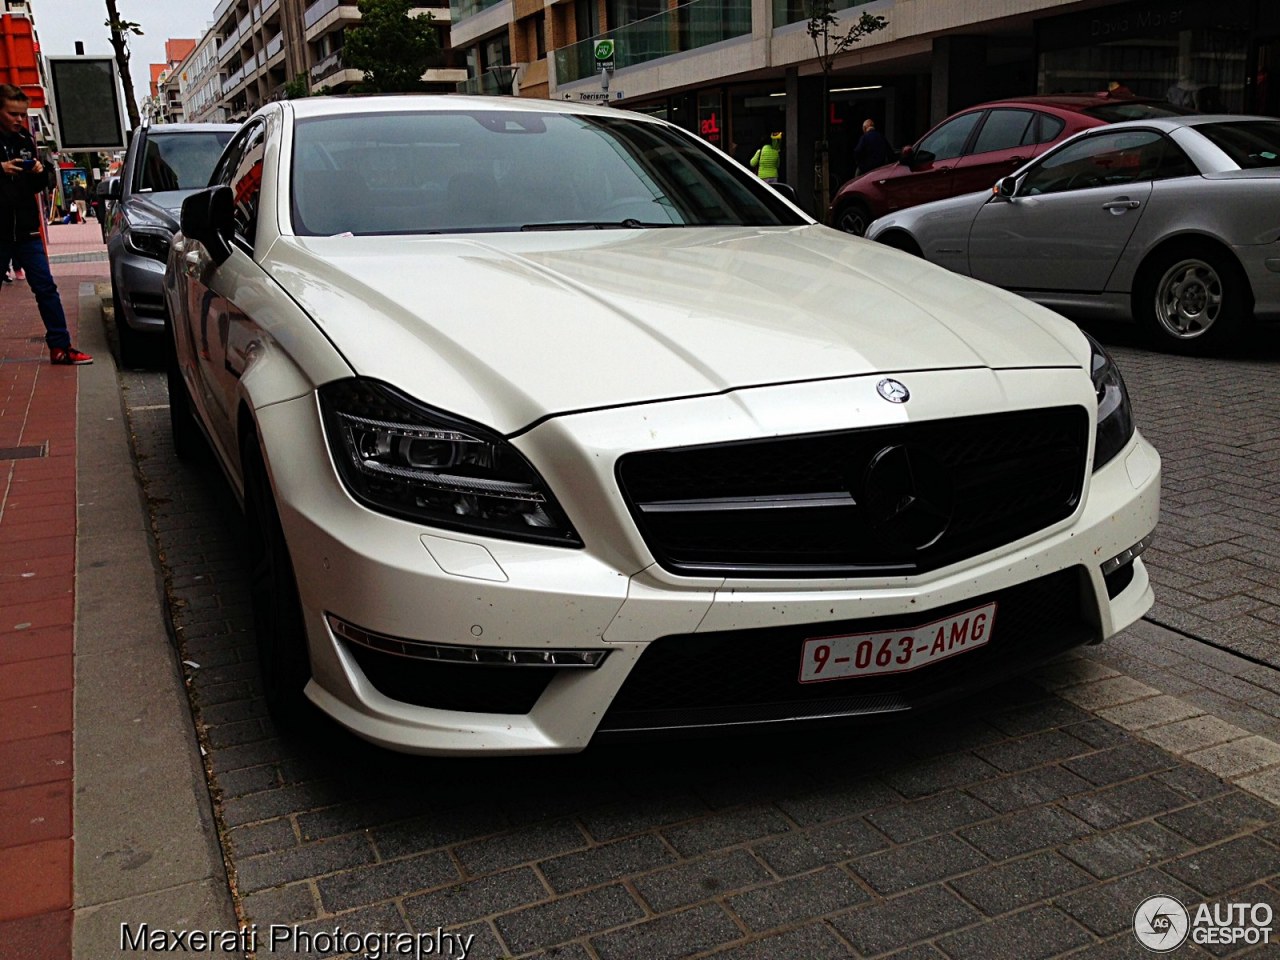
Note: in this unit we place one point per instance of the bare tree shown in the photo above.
(120, 30)
(828, 46)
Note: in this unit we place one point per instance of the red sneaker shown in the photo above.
(68, 356)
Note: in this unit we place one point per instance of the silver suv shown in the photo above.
(165, 164)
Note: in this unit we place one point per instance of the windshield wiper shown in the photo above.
(629, 224)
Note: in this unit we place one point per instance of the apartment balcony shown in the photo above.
(274, 46)
(494, 82)
(683, 28)
(461, 9)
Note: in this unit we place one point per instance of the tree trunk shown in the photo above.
(121, 47)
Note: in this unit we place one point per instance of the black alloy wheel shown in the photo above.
(283, 661)
(853, 217)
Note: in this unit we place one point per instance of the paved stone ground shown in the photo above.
(1027, 825)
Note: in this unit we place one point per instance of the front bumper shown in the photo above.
(139, 284)
(401, 580)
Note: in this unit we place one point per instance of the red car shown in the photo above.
(972, 149)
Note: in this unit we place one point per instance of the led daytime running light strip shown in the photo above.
(1126, 556)
(478, 656)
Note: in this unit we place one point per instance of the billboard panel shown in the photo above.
(88, 110)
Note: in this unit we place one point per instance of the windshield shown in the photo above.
(180, 161)
(465, 171)
(1249, 144)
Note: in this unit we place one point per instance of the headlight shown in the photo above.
(152, 243)
(1115, 418)
(402, 458)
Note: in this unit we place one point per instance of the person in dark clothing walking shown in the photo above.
(22, 177)
(872, 149)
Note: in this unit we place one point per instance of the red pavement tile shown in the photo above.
(45, 869)
(35, 716)
(45, 468)
(46, 936)
(24, 763)
(32, 491)
(37, 589)
(14, 532)
(36, 644)
(35, 813)
(37, 614)
(28, 568)
(28, 678)
(47, 547)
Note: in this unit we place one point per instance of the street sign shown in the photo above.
(603, 51)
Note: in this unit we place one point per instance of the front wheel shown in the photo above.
(853, 217)
(188, 442)
(277, 611)
(1192, 300)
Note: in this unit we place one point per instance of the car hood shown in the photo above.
(509, 328)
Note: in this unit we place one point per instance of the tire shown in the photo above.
(853, 217)
(1192, 300)
(188, 441)
(283, 662)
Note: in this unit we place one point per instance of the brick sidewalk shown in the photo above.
(37, 609)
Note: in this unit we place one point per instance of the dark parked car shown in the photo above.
(164, 164)
(974, 148)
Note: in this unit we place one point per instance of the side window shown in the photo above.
(230, 157)
(1049, 128)
(246, 181)
(947, 142)
(1005, 129)
(1102, 160)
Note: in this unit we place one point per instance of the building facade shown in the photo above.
(735, 70)
(260, 46)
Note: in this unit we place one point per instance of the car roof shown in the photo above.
(1192, 120)
(168, 128)
(1075, 102)
(357, 103)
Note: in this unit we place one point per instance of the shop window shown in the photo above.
(1202, 69)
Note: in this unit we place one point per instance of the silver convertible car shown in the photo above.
(552, 424)
(1171, 222)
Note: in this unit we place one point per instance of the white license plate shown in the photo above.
(896, 651)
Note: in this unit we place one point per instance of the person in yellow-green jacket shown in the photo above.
(768, 159)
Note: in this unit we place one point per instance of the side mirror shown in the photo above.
(1005, 188)
(787, 191)
(115, 190)
(904, 157)
(208, 217)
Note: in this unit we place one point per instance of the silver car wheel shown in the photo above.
(1188, 299)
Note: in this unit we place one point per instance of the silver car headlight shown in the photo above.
(152, 243)
(400, 457)
(1115, 416)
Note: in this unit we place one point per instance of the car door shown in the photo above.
(931, 164)
(221, 334)
(1071, 215)
(1005, 141)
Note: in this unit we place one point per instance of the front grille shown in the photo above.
(751, 676)
(894, 500)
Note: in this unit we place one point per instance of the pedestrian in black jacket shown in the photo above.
(22, 177)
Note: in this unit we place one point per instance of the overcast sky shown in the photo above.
(60, 23)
